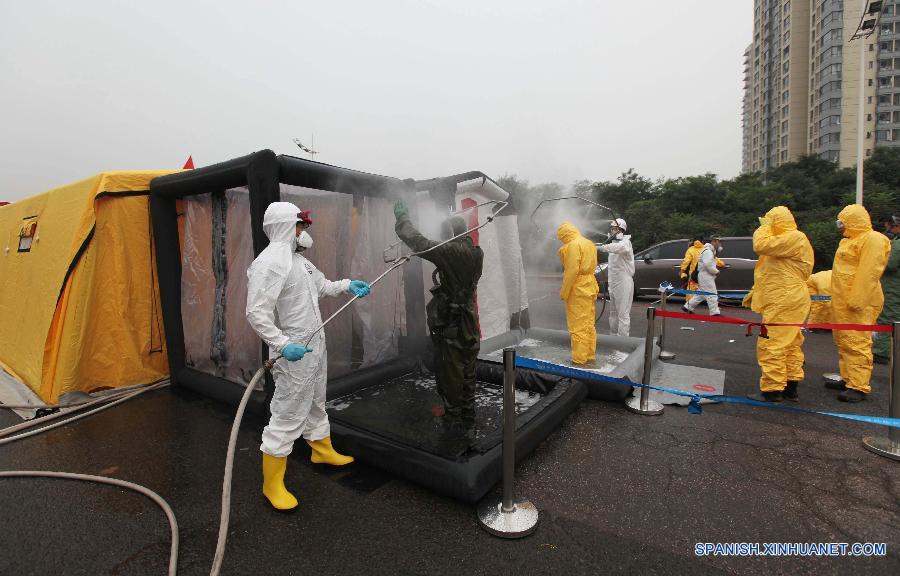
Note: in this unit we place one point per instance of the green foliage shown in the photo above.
(824, 237)
(814, 189)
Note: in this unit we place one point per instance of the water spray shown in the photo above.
(403, 259)
(581, 198)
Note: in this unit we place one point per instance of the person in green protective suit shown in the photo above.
(890, 285)
(452, 315)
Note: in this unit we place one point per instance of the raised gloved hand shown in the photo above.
(400, 210)
(359, 288)
(293, 352)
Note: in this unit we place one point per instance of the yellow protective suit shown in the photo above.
(856, 296)
(819, 284)
(780, 295)
(578, 256)
(689, 264)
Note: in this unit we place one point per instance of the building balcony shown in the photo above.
(830, 147)
(830, 59)
(830, 129)
(836, 93)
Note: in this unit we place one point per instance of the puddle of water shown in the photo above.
(608, 358)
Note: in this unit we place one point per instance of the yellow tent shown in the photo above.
(79, 300)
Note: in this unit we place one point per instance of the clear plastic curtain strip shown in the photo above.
(380, 318)
(198, 283)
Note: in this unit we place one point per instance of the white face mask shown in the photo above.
(719, 249)
(839, 224)
(304, 241)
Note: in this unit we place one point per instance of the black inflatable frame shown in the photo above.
(262, 172)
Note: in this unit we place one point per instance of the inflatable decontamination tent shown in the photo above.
(79, 304)
(380, 388)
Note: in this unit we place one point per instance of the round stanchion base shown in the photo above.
(519, 523)
(654, 408)
(832, 378)
(882, 446)
(666, 355)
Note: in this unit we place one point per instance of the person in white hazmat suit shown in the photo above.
(620, 274)
(707, 270)
(283, 292)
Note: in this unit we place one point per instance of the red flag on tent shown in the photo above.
(189, 165)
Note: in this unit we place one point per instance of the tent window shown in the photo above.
(26, 234)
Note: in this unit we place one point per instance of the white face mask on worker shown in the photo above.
(304, 241)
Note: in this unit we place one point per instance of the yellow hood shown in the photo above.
(856, 220)
(782, 220)
(567, 232)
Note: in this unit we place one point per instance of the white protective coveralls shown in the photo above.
(706, 277)
(283, 292)
(621, 284)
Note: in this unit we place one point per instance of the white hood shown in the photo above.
(280, 223)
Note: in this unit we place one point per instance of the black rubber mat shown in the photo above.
(403, 409)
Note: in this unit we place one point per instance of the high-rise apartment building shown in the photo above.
(834, 81)
(887, 131)
(775, 84)
(801, 82)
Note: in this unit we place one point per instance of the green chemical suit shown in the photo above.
(452, 314)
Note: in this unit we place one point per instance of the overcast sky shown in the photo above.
(548, 90)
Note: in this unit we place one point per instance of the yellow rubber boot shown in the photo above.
(273, 483)
(324, 453)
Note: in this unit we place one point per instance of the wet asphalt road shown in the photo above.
(618, 493)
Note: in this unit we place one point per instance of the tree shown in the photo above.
(883, 167)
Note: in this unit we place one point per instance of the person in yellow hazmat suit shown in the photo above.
(578, 256)
(690, 275)
(689, 264)
(819, 284)
(856, 296)
(780, 295)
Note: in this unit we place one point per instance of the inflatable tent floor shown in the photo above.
(383, 416)
(617, 356)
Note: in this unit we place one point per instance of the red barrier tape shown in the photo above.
(762, 326)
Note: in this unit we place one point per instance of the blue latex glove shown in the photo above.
(400, 210)
(293, 352)
(359, 288)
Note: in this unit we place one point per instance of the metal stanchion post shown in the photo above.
(644, 405)
(508, 517)
(663, 353)
(889, 446)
